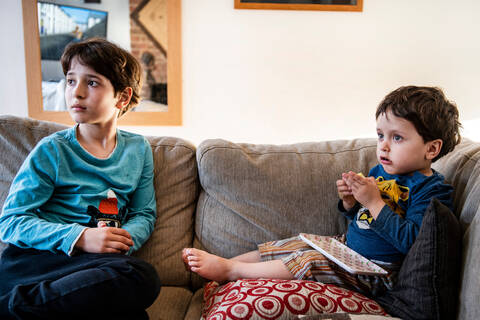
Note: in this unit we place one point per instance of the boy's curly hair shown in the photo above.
(111, 61)
(429, 111)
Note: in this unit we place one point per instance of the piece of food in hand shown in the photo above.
(361, 175)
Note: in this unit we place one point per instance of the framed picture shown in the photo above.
(161, 102)
(325, 5)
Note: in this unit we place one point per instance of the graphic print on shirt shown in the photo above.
(107, 212)
(391, 193)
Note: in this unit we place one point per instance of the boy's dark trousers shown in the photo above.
(38, 284)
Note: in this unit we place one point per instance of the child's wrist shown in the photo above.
(375, 208)
(347, 205)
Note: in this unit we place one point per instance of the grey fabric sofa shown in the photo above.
(226, 198)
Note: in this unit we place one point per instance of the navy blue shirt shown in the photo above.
(389, 237)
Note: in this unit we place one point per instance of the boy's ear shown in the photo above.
(433, 148)
(124, 98)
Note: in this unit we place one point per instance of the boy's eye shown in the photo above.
(70, 82)
(397, 138)
(92, 83)
(380, 135)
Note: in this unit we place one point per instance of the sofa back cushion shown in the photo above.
(18, 136)
(256, 193)
(462, 169)
(176, 189)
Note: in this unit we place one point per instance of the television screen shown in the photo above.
(60, 24)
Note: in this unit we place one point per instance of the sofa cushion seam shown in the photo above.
(283, 152)
(172, 146)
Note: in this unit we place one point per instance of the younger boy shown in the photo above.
(82, 202)
(415, 126)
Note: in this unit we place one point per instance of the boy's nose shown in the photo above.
(79, 91)
(384, 145)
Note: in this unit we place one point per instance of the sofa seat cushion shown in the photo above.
(172, 303)
(281, 299)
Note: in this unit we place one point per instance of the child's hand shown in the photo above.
(345, 193)
(366, 192)
(105, 240)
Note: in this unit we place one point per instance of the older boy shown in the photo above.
(82, 201)
(415, 126)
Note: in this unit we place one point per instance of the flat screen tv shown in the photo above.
(61, 24)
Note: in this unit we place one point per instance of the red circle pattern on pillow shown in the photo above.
(281, 299)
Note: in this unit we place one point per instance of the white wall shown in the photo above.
(13, 87)
(268, 76)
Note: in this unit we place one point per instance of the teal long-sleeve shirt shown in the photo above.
(47, 206)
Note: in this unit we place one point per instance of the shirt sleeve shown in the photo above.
(349, 214)
(32, 187)
(141, 212)
(402, 232)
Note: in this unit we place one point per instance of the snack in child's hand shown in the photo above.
(361, 175)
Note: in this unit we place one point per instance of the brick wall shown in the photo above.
(140, 42)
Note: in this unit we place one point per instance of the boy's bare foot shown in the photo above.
(185, 259)
(208, 265)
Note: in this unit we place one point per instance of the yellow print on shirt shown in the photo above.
(391, 193)
(364, 216)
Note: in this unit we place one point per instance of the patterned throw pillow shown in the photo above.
(281, 299)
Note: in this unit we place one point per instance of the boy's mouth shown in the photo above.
(77, 107)
(385, 160)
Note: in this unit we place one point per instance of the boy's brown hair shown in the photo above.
(429, 111)
(111, 61)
